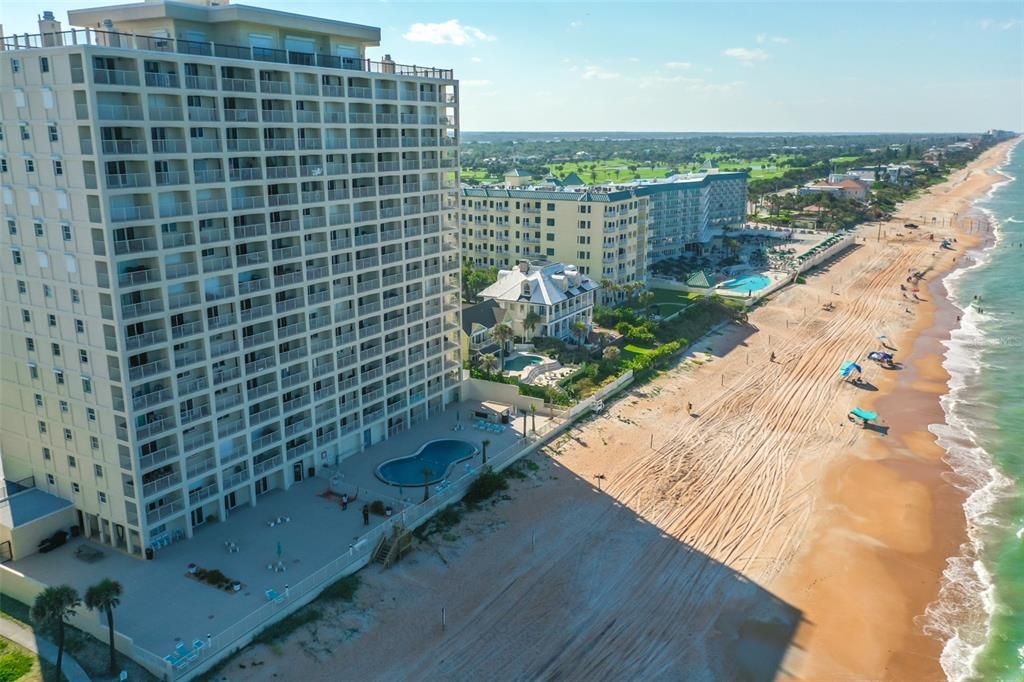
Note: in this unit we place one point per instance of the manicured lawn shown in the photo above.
(18, 663)
(670, 296)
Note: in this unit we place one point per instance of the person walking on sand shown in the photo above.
(689, 409)
(773, 357)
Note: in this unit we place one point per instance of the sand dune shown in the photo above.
(761, 537)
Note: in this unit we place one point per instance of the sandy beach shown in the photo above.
(763, 536)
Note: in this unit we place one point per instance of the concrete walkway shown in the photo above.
(24, 636)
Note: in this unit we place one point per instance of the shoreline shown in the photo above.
(912, 465)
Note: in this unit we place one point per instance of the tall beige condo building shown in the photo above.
(225, 259)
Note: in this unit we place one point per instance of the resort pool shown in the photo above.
(437, 455)
(521, 362)
(747, 283)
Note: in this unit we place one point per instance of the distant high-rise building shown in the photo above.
(225, 258)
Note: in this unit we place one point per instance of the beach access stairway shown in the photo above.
(391, 548)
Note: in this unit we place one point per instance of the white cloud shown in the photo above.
(678, 66)
(987, 24)
(575, 24)
(450, 32)
(633, 59)
(763, 38)
(746, 55)
(474, 83)
(597, 73)
(475, 60)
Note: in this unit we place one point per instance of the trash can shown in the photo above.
(149, 553)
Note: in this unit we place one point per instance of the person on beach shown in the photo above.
(773, 356)
(366, 515)
(689, 409)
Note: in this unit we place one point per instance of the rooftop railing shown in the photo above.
(131, 41)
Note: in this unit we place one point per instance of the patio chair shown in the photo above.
(182, 650)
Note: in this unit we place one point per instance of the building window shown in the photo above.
(42, 427)
(75, 488)
(30, 344)
(33, 371)
(15, 65)
(30, 166)
(94, 443)
(52, 132)
(26, 316)
(3, 165)
(79, 327)
(51, 320)
(59, 375)
(46, 453)
(47, 291)
(37, 225)
(39, 400)
(58, 167)
(98, 470)
(50, 479)
(75, 298)
(102, 497)
(22, 287)
(83, 356)
(16, 256)
(550, 236)
(65, 231)
(90, 413)
(86, 385)
(67, 436)
(64, 406)
(55, 348)
(12, 226)
(551, 252)
(26, 134)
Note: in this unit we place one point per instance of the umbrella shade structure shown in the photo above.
(866, 415)
(848, 368)
(699, 279)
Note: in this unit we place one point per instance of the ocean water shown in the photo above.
(980, 610)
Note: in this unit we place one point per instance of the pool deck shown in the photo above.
(163, 605)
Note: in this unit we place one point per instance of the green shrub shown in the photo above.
(341, 590)
(378, 508)
(15, 663)
(447, 517)
(216, 578)
(283, 628)
(487, 484)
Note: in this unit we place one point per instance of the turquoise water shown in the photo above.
(437, 456)
(521, 362)
(980, 611)
(747, 283)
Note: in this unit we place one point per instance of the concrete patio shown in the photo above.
(162, 604)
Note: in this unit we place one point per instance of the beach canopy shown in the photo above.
(864, 414)
(879, 356)
(848, 368)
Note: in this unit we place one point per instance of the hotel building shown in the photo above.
(225, 259)
(612, 232)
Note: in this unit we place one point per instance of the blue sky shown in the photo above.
(689, 66)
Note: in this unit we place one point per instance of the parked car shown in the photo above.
(53, 542)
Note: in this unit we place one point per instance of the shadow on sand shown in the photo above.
(603, 594)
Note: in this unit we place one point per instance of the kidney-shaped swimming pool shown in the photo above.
(437, 456)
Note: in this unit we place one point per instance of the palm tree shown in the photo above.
(502, 333)
(489, 362)
(427, 473)
(644, 298)
(51, 610)
(533, 417)
(610, 287)
(579, 329)
(105, 596)
(485, 443)
(530, 322)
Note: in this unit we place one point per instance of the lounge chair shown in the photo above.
(197, 646)
(275, 596)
